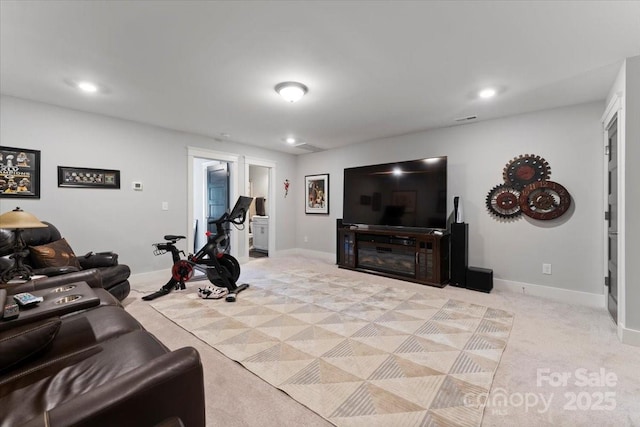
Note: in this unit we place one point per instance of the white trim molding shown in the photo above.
(629, 336)
(557, 294)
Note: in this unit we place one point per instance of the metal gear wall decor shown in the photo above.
(544, 200)
(504, 201)
(526, 169)
(527, 190)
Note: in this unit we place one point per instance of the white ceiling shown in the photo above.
(374, 68)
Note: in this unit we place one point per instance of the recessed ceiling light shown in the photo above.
(291, 91)
(87, 87)
(225, 134)
(487, 93)
(290, 140)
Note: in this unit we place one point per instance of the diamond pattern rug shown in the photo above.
(355, 352)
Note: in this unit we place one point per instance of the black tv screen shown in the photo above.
(401, 194)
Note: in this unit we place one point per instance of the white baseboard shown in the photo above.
(557, 294)
(628, 336)
(324, 256)
(150, 274)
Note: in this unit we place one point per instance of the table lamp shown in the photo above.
(18, 220)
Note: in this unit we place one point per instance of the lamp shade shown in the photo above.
(18, 218)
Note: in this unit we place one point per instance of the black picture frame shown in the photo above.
(88, 177)
(316, 194)
(19, 173)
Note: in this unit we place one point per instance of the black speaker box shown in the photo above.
(480, 279)
(459, 254)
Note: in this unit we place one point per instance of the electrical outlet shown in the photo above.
(546, 268)
(165, 206)
(306, 239)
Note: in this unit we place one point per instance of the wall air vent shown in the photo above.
(466, 119)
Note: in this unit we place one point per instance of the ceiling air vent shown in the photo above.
(309, 147)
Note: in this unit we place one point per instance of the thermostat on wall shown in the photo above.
(136, 186)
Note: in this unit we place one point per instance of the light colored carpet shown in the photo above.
(546, 335)
(355, 352)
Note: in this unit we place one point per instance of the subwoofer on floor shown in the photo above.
(480, 279)
(459, 254)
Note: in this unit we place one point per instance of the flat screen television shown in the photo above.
(402, 194)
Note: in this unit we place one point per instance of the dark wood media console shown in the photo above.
(421, 257)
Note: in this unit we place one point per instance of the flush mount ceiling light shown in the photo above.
(487, 93)
(87, 87)
(291, 91)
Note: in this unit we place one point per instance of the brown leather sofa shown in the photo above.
(92, 367)
(50, 255)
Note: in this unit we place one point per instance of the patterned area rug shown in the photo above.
(355, 352)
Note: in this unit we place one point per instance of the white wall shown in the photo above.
(128, 221)
(568, 138)
(632, 194)
(125, 221)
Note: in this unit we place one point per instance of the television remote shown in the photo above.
(25, 299)
(11, 311)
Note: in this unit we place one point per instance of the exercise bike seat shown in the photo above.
(172, 238)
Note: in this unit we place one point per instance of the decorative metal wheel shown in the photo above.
(526, 169)
(544, 200)
(503, 201)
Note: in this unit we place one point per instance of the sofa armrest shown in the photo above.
(91, 277)
(100, 259)
(55, 271)
(168, 386)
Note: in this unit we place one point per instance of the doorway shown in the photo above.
(611, 216)
(212, 186)
(613, 129)
(258, 218)
(217, 196)
(260, 184)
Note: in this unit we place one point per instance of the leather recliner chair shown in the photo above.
(95, 367)
(114, 276)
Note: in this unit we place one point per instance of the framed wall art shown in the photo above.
(88, 178)
(316, 194)
(19, 173)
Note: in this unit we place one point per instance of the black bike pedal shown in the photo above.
(230, 298)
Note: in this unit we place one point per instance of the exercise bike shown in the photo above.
(220, 268)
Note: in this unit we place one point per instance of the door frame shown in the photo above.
(271, 199)
(615, 110)
(232, 159)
